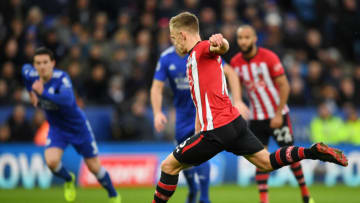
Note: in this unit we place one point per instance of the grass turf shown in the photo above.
(218, 194)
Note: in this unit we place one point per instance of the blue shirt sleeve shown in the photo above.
(64, 96)
(25, 72)
(160, 71)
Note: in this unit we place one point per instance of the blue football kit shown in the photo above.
(173, 67)
(68, 123)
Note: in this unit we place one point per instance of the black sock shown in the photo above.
(287, 155)
(165, 187)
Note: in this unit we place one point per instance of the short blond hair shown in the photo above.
(185, 20)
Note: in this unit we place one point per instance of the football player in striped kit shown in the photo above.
(263, 76)
(220, 123)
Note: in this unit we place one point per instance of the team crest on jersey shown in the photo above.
(172, 67)
(66, 82)
(51, 90)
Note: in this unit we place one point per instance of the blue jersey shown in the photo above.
(173, 67)
(57, 100)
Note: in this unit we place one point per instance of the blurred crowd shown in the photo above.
(110, 48)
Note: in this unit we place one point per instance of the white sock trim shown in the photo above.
(58, 167)
(101, 173)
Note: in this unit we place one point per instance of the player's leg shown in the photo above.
(249, 146)
(203, 172)
(193, 151)
(53, 155)
(102, 176)
(262, 130)
(170, 169)
(87, 147)
(291, 154)
(284, 137)
(189, 175)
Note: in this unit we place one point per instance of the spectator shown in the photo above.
(96, 85)
(352, 125)
(327, 127)
(20, 128)
(133, 125)
(297, 94)
(347, 92)
(4, 93)
(4, 133)
(315, 81)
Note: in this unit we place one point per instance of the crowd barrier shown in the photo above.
(137, 164)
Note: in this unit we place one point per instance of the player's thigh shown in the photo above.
(261, 160)
(53, 156)
(243, 141)
(87, 146)
(56, 139)
(284, 134)
(261, 129)
(172, 166)
(93, 164)
(197, 149)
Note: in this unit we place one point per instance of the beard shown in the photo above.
(247, 50)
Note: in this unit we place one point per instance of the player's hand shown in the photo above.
(277, 121)
(216, 40)
(38, 87)
(34, 99)
(159, 122)
(243, 109)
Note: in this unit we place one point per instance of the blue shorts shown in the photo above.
(83, 142)
(181, 137)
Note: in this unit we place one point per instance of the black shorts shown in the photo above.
(283, 135)
(234, 137)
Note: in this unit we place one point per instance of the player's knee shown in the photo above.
(52, 163)
(94, 168)
(167, 167)
(265, 166)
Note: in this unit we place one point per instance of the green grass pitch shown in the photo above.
(218, 194)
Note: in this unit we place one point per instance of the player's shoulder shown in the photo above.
(58, 74)
(29, 71)
(61, 77)
(236, 58)
(264, 52)
(168, 52)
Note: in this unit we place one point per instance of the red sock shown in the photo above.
(299, 175)
(261, 180)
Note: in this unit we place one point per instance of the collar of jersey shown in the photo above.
(194, 46)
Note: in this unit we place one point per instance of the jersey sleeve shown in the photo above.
(205, 49)
(160, 71)
(64, 95)
(25, 72)
(275, 66)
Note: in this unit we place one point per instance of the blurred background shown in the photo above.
(110, 50)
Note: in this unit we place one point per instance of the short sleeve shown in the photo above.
(204, 47)
(275, 66)
(25, 72)
(160, 71)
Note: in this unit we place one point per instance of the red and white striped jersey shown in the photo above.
(208, 88)
(258, 75)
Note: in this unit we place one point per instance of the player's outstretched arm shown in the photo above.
(156, 103)
(64, 97)
(218, 44)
